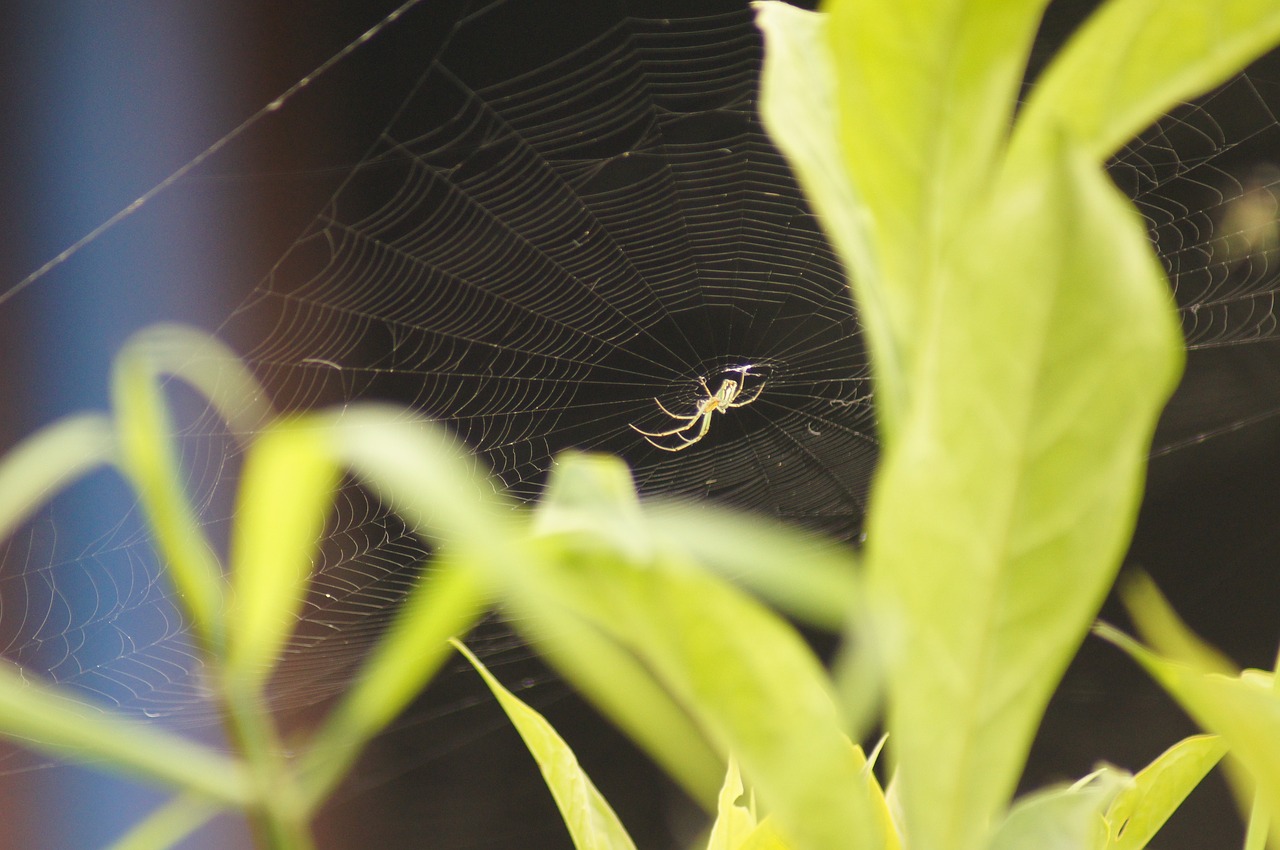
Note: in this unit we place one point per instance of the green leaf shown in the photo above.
(798, 105)
(808, 577)
(150, 462)
(285, 490)
(765, 837)
(49, 460)
(167, 825)
(1063, 818)
(591, 821)
(445, 601)
(582, 489)
(922, 98)
(734, 822)
(1243, 709)
(1001, 514)
(41, 717)
(428, 476)
(1155, 793)
(740, 673)
(1134, 60)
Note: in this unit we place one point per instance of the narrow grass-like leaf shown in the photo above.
(169, 824)
(39, 716)
(590, 819)
(1134, 60)
(285, 490)
(47, 461)
(1157, 622)
(445, 602)
(1138, 812)
(212, 369)
(1002, 513)
(1064, 818)
(151, 463)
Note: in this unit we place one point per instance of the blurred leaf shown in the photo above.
(810, 578)
(765, 837)
(1155, 793)
(740, 673)
(734, 822)
(1062, 818)
(593, 494)
(1001, 514)
(167, 825)
(150, 462)
(34, 470)
(1243, 709)
(1157, 622)
(894, 117)
(798, 104)
(38, 716)
(591, 822)
(285, 490)
(1134, 60)
(428, 476)
(445, 601)
(618, 681)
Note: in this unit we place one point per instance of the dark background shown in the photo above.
(452, 774)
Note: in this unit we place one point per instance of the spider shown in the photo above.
(721, 400)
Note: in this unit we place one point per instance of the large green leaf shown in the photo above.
(591, 821)
(923, 94)
(1134, 60)
(1001, 514)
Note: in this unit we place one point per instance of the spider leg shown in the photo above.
(685, 442)
(678, 448)
(688, 425)
(755, 395)
(676, 415)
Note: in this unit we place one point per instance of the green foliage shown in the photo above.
(1022, 343)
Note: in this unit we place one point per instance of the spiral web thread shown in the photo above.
(538, 251)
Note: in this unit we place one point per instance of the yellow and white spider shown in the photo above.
(726, 397)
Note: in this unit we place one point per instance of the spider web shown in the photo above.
(543, 246)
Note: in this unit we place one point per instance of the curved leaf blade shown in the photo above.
(1134, 60)
(591, 821)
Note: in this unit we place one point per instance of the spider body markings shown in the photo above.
(727, 396)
